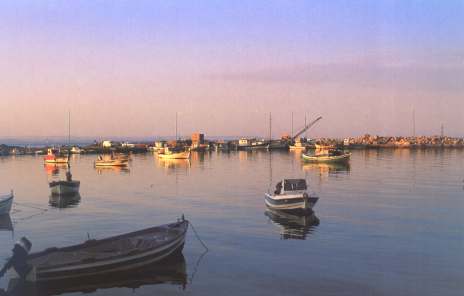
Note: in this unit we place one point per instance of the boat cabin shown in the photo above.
(290, 186)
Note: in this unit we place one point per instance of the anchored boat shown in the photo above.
(103, 257)
(101, 162)
(171, 271)
(6, 201)
(173, 154)
(291, 196)
(53, 157)
(329, 155)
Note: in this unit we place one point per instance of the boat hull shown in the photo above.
(336, 158)
(65, 187)
(6, 202)
(110, 163)
(92, 267)
(56, 160)
(180, 155)
(295, 205)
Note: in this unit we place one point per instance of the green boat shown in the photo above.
(328, 156)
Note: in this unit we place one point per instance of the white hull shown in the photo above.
(295, 202)
(6, 202)
(180, 155)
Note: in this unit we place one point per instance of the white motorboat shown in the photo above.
(291, 196)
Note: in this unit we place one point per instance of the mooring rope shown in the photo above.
(198, 237)
(29, 206)
(200, 258)
(15, 221)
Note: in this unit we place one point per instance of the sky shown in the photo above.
(124, 68)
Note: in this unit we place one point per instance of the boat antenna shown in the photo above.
(270, 127)
(176, 126)
(69, 128)
(292, 126)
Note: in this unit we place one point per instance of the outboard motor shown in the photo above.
(19, 259)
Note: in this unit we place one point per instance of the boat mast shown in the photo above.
(292, 126)
(69, 127)
(413, 123)
(270, 127)
(176, 126)
(306, 135)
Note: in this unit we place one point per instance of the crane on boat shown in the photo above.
(307, 127)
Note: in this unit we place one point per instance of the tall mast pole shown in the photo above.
(176, 126)
(69, 127)
(292, 126)
(305, 126)
(413, 123)
(270, 127)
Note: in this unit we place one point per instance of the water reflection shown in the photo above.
(64, 201)
(327, 168)
(169, 271)
(112, 169)
(174, 163)
(54, 169)
(293, 226)
(5, 223)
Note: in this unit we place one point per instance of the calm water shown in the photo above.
(391, 223)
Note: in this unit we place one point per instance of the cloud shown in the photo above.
(383, 74)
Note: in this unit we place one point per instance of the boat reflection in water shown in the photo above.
(112, 169)
(293, 226)
(5, 223)
(174, 163)
(169, 271)
(327, 168)
(54, 169)
(65, 201)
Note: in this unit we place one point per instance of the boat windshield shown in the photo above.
(294, 184)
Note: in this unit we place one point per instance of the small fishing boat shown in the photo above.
(331, 155)
(76, 150)
(6, 201)
(291, 196)
(65, 187)
(102, 162)
(105, 257)
(53, 157)
(173, 154)
(299, 145)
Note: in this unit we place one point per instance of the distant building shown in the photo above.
(127, 145)
(198, 139)
(107, 144)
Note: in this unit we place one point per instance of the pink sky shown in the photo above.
(124, 73)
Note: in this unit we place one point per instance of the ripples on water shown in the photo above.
(390, 223)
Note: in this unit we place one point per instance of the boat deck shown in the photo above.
(100, 250)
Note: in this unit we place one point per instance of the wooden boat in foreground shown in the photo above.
(93, 258)
(6, 202)
(291, 196)
(172, 271)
